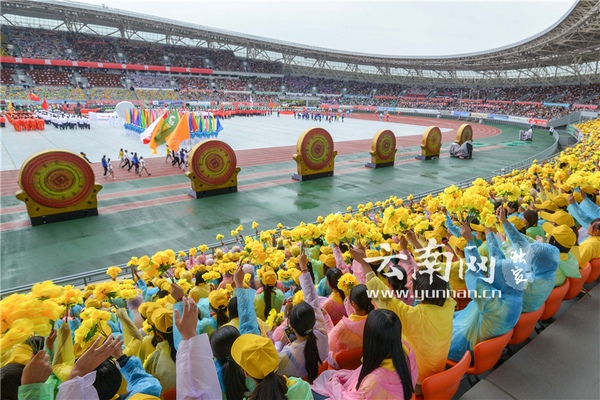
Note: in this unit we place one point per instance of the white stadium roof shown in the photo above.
(566, 52)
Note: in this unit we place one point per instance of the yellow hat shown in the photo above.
(458, 243)
(142, 396)
(256, 355)
(328, 259)
(162, 319)
(165, 286)
(326, 250)
(433, 235)
(187, 275)
(478, 228)
(562, 233)
(559, 218)
(547, 205)
(566, 188)
(517, 222)
(560, 201)
(218, 298)
(588, 189)
(146, 309)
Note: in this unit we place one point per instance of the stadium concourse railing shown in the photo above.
(85, 278)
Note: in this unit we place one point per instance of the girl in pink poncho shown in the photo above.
(348, 333)
(334, 305)
(389, 369)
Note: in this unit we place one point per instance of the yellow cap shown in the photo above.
(142, 396)
(269, 278)
(562, 233)
(256, 355)
(328, 259)
(588, 189)
(218, 298)
(517, 222)
(560, 201)
(547, 205)
(326, 250)
(162, 319)
(478, 228)
(458, 243)
(433, 234)
(559, 218)
(146, 309)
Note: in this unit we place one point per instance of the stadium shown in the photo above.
(531, 110)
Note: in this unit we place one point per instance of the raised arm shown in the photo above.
(196, 372)
(245, 303)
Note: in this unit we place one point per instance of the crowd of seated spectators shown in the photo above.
(103, 79)
(37, 43)
(156, 94)
(6, 76)
(91, 48)
(224, 60)
(266, 85)
(231, 84)
(110, 94)
(181, 56)
(193, 83)
(149, 80)
(298, 84)
(265, 67)
(137, 52)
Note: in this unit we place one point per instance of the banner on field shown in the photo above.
(498, 116)
(479, 115)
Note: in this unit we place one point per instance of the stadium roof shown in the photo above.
(566, 52)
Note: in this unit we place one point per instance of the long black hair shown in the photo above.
(359, 296)
(221, 315)
(232, 308)
(234, 379)
(268, 291)
(302, 319)
(108, 380)
(168, 336)
(382, 339)
(333, 276)
(272, 387)
(395, 282)
(531, 218)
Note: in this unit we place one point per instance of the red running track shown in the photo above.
(245, 158)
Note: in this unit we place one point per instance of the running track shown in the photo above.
(245, 158)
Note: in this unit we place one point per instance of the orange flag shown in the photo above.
(181, 133)
(45, 105)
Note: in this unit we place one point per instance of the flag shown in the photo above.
(10, 107)
(152, 129)
(34, 97)
(219, 127)
(45, 105)
(168, 126)
(270, 103)
(179, 134)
